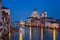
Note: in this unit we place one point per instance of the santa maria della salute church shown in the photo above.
(36, 20)
(41, 18)
(35, 13)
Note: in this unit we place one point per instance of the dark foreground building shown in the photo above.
(4, 21)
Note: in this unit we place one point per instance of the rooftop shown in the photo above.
(4, 7)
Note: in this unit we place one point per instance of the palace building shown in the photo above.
(4, 19)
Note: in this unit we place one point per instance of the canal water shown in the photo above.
(36, 34)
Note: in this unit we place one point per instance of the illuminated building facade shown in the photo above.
(4, 19)
(42, 18)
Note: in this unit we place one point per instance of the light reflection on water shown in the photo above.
(48, 34)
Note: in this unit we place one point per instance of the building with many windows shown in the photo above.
(36, 19)
(4, 19)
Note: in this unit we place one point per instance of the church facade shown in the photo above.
(36, 19)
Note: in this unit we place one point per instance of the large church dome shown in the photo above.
(35, 13)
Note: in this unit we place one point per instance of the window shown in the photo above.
(0, 23)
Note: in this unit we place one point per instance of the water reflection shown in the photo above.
(27, 33)
(42, 33)
(37, 34)
(48, 34)
(54, 34)
(58, 36)
(30, 33)
(21, 34)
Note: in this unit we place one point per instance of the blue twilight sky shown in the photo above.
(21, 9)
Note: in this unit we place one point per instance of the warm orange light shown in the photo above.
(22, 22)
(54, 25)
(20, 36)
(54, 34)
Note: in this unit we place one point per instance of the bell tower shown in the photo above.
(44, 14)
